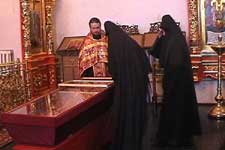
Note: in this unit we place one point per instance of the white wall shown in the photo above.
(10, 35)
(72, 16)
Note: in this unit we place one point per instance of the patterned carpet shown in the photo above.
(4, 137)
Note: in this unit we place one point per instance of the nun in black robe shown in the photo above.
(129, 67)
(179, 118)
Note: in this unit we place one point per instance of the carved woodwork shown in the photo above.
(154, 27)
(40, 59)
(204, 60)
(14, 89)
(130, 29)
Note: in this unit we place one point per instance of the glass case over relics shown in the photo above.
(51, 119)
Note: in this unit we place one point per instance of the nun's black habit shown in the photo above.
(179, 118)
(129, 67)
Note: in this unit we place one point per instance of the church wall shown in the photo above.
(10, 35)
(72, 16)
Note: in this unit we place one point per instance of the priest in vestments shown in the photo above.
(179, 117)
(93, 55)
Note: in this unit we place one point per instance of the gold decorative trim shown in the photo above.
(213, 68)
(49, 8)
(129, 29)
(47, 26)
(52, 72)
(25, 17)
(194, 26)
(13, 90)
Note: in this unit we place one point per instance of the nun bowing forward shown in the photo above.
(129, 67)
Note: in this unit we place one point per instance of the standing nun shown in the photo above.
(179, 118)
(129, 67)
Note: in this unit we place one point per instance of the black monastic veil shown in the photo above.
(179, 118)
(129, 67)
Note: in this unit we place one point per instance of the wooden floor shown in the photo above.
(213, 137)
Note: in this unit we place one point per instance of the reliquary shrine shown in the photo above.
(76, 115)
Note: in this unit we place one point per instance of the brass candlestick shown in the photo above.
(218, 111)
